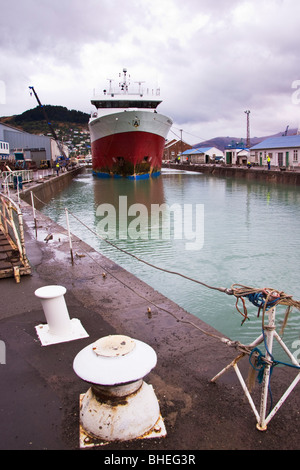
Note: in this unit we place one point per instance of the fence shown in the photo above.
(11, 225)
(8, 176)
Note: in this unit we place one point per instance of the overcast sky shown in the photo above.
(212, 59)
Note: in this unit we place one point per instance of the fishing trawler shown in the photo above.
(127, 133)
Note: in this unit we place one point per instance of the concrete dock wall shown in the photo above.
(50, 187)
(255, 174)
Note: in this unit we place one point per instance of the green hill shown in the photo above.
(33, 120)
(54, 113)
(71, 127)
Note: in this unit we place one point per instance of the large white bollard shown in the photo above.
(59, 326)
(119, 405)
(55, 308)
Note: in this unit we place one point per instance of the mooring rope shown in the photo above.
(233, 343)
(220, 289)
(263, 298)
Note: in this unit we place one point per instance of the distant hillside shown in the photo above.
(33, 120)
(71, 127)
(54, 113)
(222, 142)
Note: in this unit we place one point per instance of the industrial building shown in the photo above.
(34, 147)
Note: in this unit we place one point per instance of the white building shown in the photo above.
(201, 155)
(236, 155)
(283, 151)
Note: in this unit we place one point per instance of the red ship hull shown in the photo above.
(128, 154)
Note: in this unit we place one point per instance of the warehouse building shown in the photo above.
(34, 147)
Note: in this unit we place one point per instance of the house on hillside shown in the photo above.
(201, 155)
(283, 151)
(173, 148)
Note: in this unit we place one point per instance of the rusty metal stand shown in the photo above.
(268, 336)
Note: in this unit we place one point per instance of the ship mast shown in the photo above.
(123, 85)
(110, 85)
(140, 88)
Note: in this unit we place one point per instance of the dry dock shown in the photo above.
(39, 393)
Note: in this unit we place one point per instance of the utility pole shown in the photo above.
(248, 129)
(181, 143)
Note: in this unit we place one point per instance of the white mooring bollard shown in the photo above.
(60, 327)
(119, 405)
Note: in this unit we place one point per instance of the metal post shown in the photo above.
(6, 184)
(269, 336)
(69, 234)
(18, 192)
(33, 210)
(246, 391)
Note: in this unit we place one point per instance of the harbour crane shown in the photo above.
(59, 145)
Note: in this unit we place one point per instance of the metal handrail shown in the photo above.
(11, 224)
(8, 176)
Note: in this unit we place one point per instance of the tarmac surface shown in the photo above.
(39, 393)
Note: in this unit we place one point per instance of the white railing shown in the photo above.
(11, 225)
(8, 176)
(41, 174)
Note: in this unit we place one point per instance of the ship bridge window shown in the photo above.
(125, 104)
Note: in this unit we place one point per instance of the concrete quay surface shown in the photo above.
(39, 393)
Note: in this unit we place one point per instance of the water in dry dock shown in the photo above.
(246, 233)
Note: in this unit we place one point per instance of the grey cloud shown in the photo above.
(45, 26)
(208, 72)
